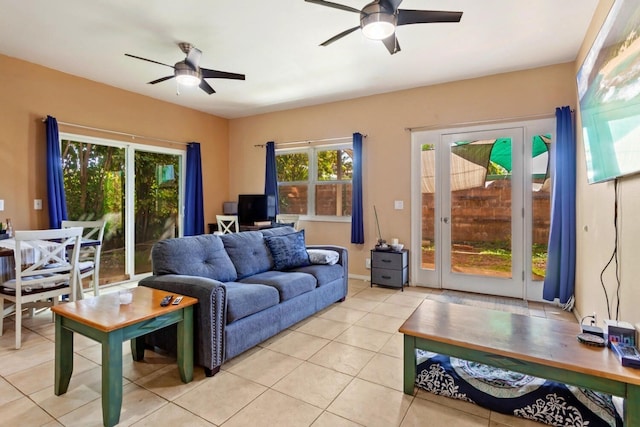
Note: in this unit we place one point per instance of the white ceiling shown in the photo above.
(276, 44)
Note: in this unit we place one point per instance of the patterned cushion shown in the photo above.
(288, 251)
(278, 230)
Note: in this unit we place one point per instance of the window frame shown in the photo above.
(312, 182)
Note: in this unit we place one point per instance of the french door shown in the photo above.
(481, 208)
(136, 188)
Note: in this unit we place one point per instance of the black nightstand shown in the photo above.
(390, 268)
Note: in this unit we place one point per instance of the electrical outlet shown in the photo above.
(37, 204)
(398, 204)
(367, 263)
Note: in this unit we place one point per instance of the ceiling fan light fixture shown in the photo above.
(186, 76)
(376, 22)
(187, 80)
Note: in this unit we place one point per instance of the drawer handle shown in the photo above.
(386, 260)
(386, 277)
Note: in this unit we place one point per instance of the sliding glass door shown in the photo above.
(137, 189)
(157, 197)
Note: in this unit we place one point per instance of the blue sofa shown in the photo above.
(249, 286)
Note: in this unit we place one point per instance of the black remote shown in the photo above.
(165, 301)
(177, 300)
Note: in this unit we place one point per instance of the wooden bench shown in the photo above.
(544, 348)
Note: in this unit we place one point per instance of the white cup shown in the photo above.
(394, 241)
(126, 296)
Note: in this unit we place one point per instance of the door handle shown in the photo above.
(445, 220)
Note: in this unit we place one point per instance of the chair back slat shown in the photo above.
(90, 255)
(227, 224)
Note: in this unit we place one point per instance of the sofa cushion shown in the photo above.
(323, 273)
(202, 255)
(288, 284)
(246, 299)
(248, 252)
(288, 251)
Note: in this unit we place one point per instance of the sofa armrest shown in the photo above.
(343, 260)
(210, 314)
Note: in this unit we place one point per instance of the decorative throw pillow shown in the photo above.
(323, 256)
(288, 251)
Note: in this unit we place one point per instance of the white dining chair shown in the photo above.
(288, 219)
(89, 260)
(46, 267)
(227, 224)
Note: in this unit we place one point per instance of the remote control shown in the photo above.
(165, 301)
(177, 300)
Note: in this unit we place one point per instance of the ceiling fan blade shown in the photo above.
(391, 43)
(339, 36)
(391, 5)
(148, 60)
(193, 58)
(333, 5)
(407, 16)
(160, 80)
(205, 87)
(214, 74)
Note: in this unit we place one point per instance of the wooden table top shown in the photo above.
(106, 313)
(534, 339)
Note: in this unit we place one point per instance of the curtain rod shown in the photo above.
(482, 122)
(130, 135)
(309, 141)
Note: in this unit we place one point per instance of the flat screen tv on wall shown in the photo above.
(609, 93)
(256, 207)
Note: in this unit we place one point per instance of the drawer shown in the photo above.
(392, 260)
(383, 276)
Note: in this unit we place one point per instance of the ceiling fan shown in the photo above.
(378, 20)
(188, 71)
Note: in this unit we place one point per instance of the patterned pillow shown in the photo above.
(288, 251)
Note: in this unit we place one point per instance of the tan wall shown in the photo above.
(595, 230)
(31, 92)
(383, 118)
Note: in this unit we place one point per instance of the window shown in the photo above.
(315, 181)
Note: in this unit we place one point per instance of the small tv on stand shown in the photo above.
(253, 208)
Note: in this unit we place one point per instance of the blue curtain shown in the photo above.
(357, 225)
(271, 173)
(193, 209)
(55, 183)
(559, 280)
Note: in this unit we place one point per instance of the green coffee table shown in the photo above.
(106, 320)
(541, 347)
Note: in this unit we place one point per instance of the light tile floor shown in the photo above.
(341, 367)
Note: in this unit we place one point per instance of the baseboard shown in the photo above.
(359, 277)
